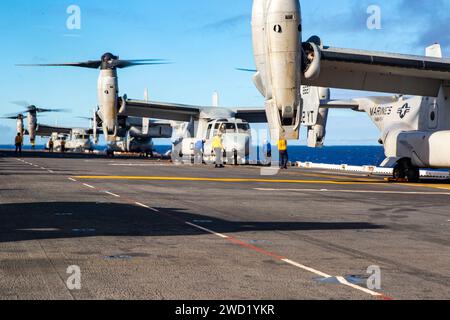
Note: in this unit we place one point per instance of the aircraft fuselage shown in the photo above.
(276, 28)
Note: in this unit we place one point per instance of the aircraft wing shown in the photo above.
(252, 115)
(47, 131)
(159, 110)
(339, 104)
(381, 72)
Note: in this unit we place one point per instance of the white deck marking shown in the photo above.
(207, 230)
(301, 266)
(88, 185)
(343, 281)
(51, 171)
(356, 191)
(298, 265)
(142, 205)
(147, 207)
(72, 179)
(112, 194)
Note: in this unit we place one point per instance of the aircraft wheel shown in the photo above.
(399, 172)
(413, 174)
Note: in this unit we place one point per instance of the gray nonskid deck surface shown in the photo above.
(141, 229)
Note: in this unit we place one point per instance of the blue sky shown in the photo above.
(207, 40)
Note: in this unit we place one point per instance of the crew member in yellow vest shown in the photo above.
(218, 150)
(18, 143)
(63, 145)
(284, 158)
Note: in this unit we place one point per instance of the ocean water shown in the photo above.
(351, 155)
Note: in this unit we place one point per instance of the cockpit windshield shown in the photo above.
(229, 127)
(243, 127)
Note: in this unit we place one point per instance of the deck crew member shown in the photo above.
(282, 148)
(51, 145)
(217, 146)
(199, 151)
(63, 145)
(18, 143)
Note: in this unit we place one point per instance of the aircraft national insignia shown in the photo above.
(404, 110)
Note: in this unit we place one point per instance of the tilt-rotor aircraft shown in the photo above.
(33, 128)
(414, 130)
(107, 87)
(285, 65)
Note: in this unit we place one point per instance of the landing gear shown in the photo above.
(110, 154)
(413, 174)
(404, 170)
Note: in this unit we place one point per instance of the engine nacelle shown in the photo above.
(311, 60)
(283, 35)
(32, 125)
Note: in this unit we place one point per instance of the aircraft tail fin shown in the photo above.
(434, 51)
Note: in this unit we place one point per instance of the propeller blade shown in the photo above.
(40, 110)
(92, 64)
(9, 118)
(246, 70)
(121, 64)
(21, 103)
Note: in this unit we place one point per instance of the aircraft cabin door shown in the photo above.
(433, 115)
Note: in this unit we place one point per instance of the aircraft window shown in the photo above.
(209, 131)
(277, 28)
(432, 116)
(243, 127)
(230, 127)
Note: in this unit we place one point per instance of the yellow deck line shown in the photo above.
(231, 180)
(259, 180)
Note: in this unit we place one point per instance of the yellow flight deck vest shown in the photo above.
(217, 143)
(282, 145)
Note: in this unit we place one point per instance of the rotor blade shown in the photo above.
(94, 64)
(41, 110)
(132, 63)
(21, 103)
(10, 118)
(246, 70)
(13, 116)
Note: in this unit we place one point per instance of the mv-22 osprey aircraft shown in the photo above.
(123, 133)
(34, 129)
(285, 66)
(414, 130)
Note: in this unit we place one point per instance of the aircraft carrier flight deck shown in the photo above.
(141, 229)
